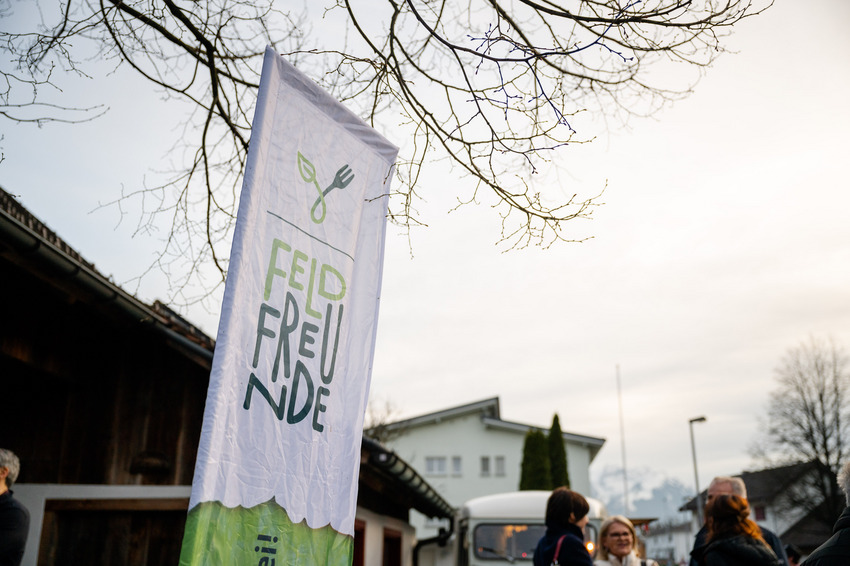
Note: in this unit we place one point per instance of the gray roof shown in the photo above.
(25, 239)
(488, 409)
(425, 498)
(763, 485)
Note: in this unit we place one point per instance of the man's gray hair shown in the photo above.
(737, 484)
(844, 481)
(10, 461)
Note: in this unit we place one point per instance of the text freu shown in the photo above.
(289, 323)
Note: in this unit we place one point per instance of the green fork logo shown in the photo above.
(342, 179)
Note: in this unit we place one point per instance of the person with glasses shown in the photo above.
(617, 544)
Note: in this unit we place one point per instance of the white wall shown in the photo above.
(374, 538)
(578, 465)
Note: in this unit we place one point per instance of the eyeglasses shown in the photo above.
(620, 535)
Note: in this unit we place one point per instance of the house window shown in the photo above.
(499, 462)
(485, 465)
(457, 468)
(435, 465)
(759, 512)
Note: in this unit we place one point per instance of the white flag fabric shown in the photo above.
(277, 468)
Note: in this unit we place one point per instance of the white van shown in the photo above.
(504, 527)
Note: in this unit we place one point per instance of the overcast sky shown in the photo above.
(724, 240)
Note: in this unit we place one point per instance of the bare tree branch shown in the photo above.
(808, 420)
(488, 86)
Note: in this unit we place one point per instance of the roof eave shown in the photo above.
(29, 243)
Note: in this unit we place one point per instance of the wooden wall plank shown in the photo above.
(163, 504)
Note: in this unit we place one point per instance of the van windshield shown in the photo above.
(516, 541)
(510, 542)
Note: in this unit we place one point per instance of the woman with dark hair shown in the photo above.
(563, 543)
(733, 539)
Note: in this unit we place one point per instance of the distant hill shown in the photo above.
(651, 493)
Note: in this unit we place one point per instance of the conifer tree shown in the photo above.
(535, 462)
(557, 455)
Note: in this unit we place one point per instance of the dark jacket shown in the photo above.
(573, 552)
(836, 550)
(14, 527)
(739, 550)
(771, 539)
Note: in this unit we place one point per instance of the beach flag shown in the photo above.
(277, 469)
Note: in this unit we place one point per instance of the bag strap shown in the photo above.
(557, 551)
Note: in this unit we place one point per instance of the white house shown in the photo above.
(469, 451)
(669, 543)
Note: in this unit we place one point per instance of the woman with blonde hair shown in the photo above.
(733, 538)
(617, 544)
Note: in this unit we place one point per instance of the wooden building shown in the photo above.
(103, 398)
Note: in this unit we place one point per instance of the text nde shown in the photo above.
(292, 331)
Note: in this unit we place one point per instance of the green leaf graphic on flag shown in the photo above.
(308, 173)
(307, 170)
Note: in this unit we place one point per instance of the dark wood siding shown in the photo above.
(89, 396)
(102, 533)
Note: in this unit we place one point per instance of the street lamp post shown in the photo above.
(696, 476)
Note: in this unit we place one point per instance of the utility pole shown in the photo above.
(696, 476)
(623, 445)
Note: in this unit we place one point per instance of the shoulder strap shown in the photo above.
(557, 551)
